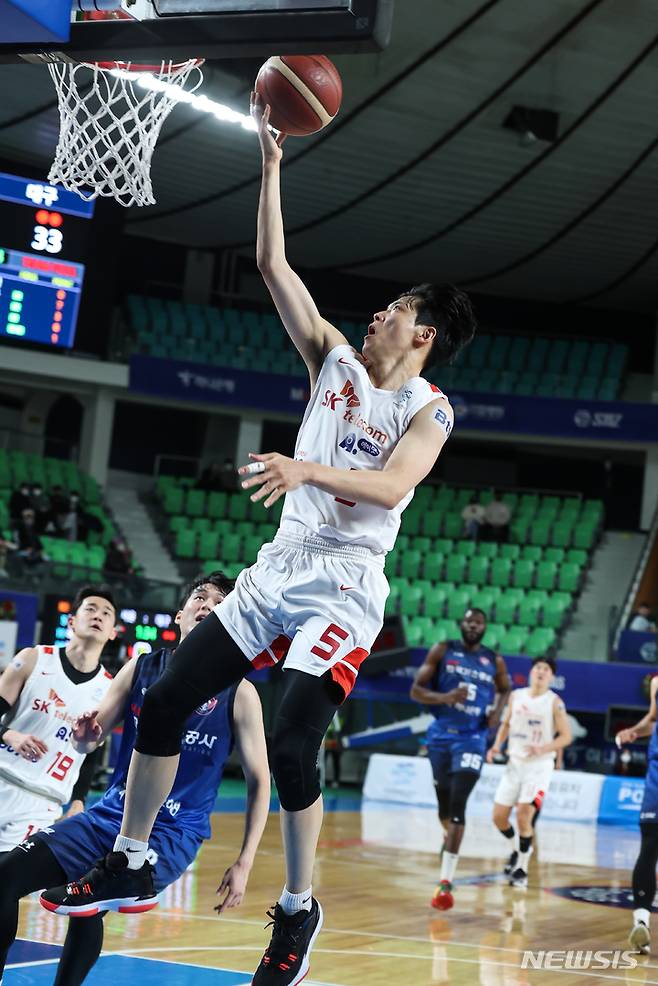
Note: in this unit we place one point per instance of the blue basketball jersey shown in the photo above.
(475, 669)
(649, 809)
(207, 743)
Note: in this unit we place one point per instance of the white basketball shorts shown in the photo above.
(318, 604)
(524, 782)
(23, 813)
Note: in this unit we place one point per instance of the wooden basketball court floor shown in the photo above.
(376, 871)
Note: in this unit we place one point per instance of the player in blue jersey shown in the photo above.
(58, 854)
(644, 873)
(465, 686)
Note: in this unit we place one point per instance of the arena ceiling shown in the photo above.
(417, 179)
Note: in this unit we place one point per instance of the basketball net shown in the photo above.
(111, 114)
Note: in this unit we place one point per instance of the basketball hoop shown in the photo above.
(111, 114)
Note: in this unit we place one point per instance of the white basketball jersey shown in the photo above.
(47, 707)
(531, 723)
(349, 424)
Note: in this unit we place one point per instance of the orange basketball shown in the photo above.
(303, 91)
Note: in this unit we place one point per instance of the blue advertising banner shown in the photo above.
(205, 384)
(214, 385)
(636, 647)
(22, 608)
(584, 686)
(621, 799)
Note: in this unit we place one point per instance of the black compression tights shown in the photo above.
(644, 874)
(21, 873)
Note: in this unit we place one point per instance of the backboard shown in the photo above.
(148, 30)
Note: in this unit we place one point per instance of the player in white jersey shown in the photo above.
(42, 693)
(535, 726)
(372, 431)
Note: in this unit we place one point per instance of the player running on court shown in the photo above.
(464, 685)
(60, 853)
(535, 726)
(42, 693)
(371, 432)
(644, 872)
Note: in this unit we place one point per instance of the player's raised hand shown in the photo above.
(269, 145)
(233, 885)
(87, 732)
(275, 474)
(625, 736)
(27, 745)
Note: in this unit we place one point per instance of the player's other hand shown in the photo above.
(457, 695)
(87, 732)
(493, 751)
(281, 474)
(74, 808)
(625, 736)
(233, 885)
(535, 751)
(269, 145)
(27, 745)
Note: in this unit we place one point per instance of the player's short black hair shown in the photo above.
(552, 663)
(475, 609)
(450, 311)
(219, 579)
(85, 591)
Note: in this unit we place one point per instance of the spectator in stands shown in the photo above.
(59, 507)
(41, 507)
(641, 620)
(118, 558)
(229, 475)
(30, 548)
(473, 516)
(72, 522)
(211, 479)
(19, 501)
(497, 516)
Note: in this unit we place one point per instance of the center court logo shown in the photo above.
(579, 959)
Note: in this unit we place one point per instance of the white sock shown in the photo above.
(291, 903)
(641, 914)
(134, 850)
(448, 865)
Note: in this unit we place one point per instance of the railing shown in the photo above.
(626, 608)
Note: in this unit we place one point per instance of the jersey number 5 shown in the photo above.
(327, 638)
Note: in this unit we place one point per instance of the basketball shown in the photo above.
(304, 92)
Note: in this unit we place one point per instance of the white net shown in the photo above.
(110, 120)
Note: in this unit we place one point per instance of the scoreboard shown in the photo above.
(44, 231)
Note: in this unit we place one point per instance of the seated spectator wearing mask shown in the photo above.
(641, 620)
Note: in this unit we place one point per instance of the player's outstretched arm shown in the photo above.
(252, 751)
(503, 689)
(647, 723)
(412, 460)
(92, 727)
(313, 335)
(27, 745)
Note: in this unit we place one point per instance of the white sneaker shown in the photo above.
(519, 879)
(640, 939)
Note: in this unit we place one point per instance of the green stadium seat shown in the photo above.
(413, 633)
(554, 554)
(216, 505)
(443, 546)
(523, 573)
(411, 521)
(553, 611)
(531, 552)
(505, 609)
(208, 545)
(453, 525)
(457, 604)
(455, 568)
(519, 530)
(427, 630)
(493, 635)
(229, 550)
(478, 568)
(185, 545)
(561, 534)
(430, 523)
(569, 577)
(488, 549)
(432, 567)
(238, 507)
(465, 548)
(424, 496)
(224, 526)
(434, 599)
(484, 599)
(244, 528)
(546, 574)
(513, 642)
(576, 556)
(540, 641)
(539, 532)
(500, 572)
(584, 535)
(410, 600)
(418, 543)
(173, 500)
(199, 524)
(410, 565)
(177, 522)
(511, 551)
(250, 548)
(392, 563)
(529, 612)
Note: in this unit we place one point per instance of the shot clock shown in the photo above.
(43, 244)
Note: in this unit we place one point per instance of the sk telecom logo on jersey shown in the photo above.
(347, 394)
(54, 697)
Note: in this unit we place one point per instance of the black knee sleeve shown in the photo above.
(463, 782)
(644, 873)
(443, 798)
(205, 663)
(294, 762)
